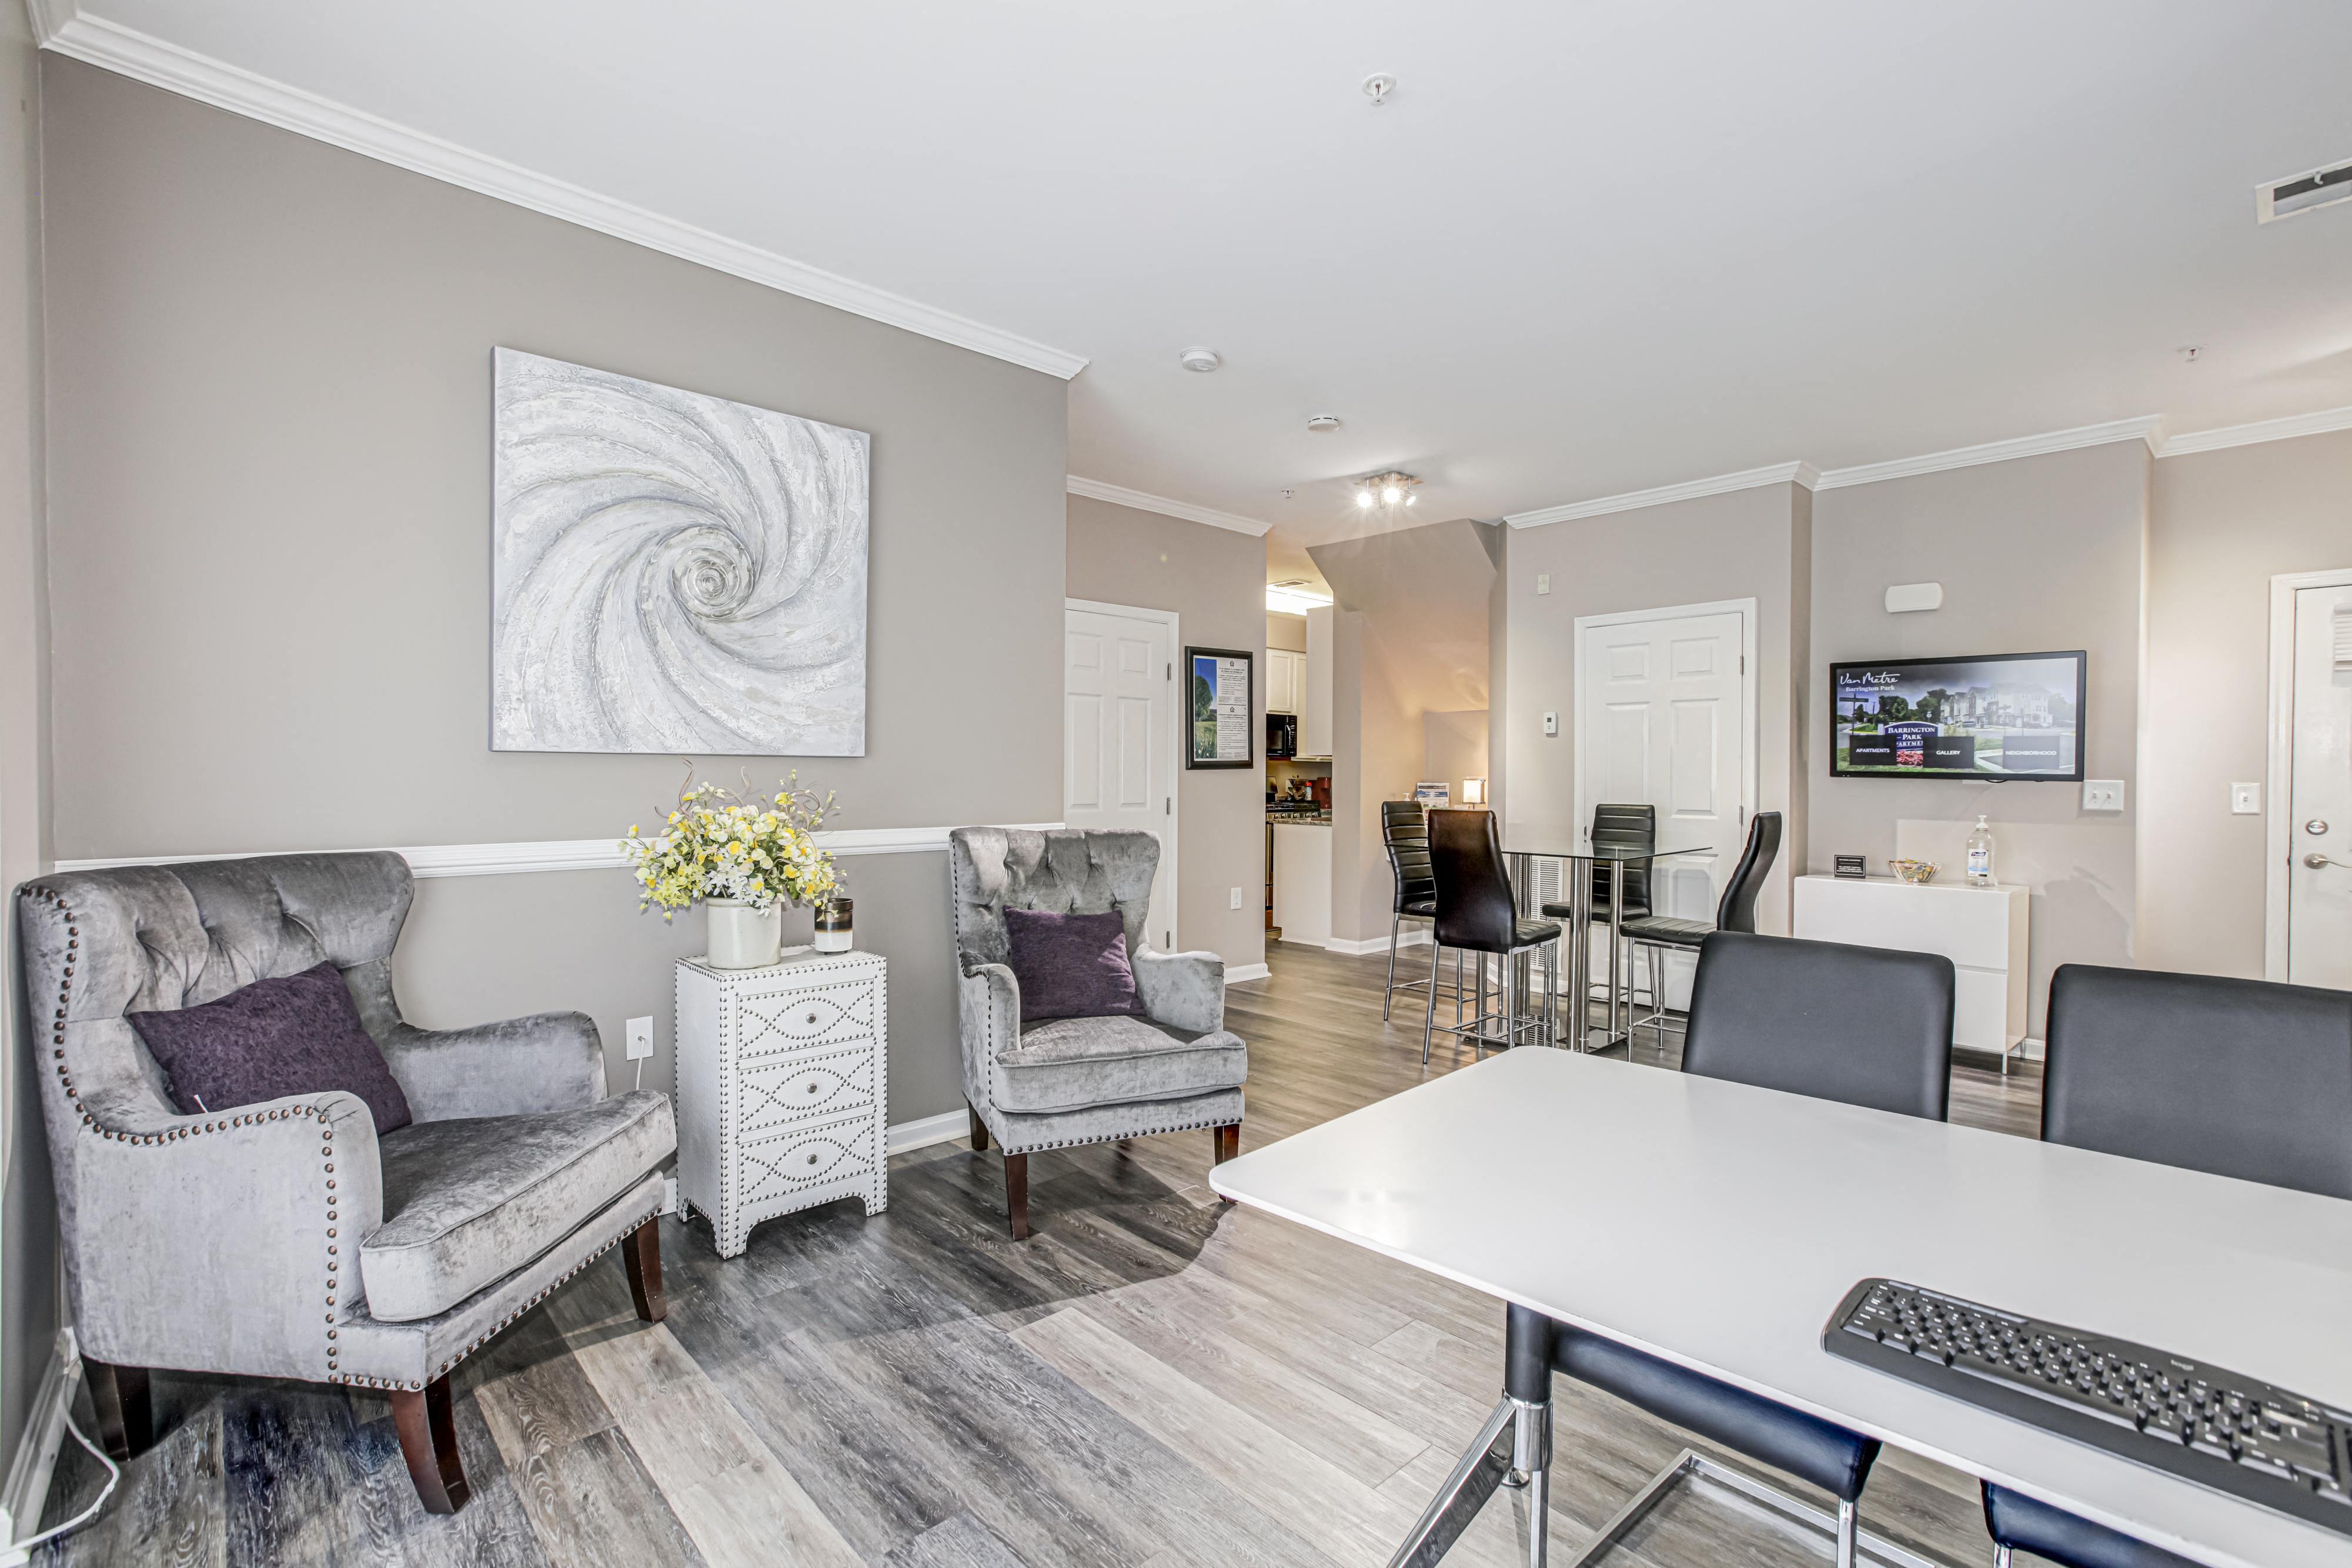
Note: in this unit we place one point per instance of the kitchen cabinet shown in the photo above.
(1286, 680)
(1315, 698)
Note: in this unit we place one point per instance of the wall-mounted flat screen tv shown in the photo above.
(1997, 717)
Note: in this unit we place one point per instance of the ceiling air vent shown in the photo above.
(2302, 193)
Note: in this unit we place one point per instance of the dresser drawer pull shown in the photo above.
(812, 1159)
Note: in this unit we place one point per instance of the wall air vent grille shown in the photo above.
(2303, 192)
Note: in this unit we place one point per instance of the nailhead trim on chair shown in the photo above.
(1115, 1137)
(492, 1331)
(149, 1140)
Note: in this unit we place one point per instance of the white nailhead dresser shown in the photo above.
(783, 1087)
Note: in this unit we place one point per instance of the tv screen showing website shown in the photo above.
(2000, 716)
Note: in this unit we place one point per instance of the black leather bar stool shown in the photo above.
(1653, 935)
(1405, 828)
(1476, 914)
(2240, 1078)
(1778, 1013)
(1616, 827)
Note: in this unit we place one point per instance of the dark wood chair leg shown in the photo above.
(1229, 1142)
(428, 1440)
(642, 1252)
(1016, 1194)
(126, 1420)
(979, 1128)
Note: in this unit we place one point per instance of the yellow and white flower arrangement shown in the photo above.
(718, 844)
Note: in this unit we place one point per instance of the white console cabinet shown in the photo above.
(1980, 929)
(783, 1092)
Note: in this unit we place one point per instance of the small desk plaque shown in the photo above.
(1853, 866)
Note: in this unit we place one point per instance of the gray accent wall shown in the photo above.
(2036, 555)
(2221, 524)
(1214, 579)
(268, 447)
(28, 1231)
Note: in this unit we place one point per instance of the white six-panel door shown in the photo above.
(1661, 717)
(1118, 734)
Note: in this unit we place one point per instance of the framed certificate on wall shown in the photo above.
(1220, 727)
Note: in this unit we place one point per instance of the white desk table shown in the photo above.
(1717, 1225)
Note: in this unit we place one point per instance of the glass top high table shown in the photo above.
(1522, 851)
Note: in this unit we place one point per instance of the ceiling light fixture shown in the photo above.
(1390, 492)
(1202, 360)
(1323, 423)
(1294, 596)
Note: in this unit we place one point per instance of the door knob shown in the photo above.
(2315, 861)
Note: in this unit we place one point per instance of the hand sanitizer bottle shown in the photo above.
(1980, 855)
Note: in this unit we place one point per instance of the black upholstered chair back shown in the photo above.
(1623, 827)
(1736, 910)
(1870, 1026)
(2240, 1078)
(1475, 909)
(1405, 826)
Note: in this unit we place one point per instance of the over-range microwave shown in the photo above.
(1281, 735)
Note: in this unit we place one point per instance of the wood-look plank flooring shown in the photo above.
(1153, 1379)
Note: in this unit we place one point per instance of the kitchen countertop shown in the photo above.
(1298, 820)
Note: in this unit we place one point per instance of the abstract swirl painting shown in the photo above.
(672, 572)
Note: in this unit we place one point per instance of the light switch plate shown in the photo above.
(2246, 799)
(1236, 902)
(1551, 723)
(641, 1038)
(2103, 794)
(1543, 582)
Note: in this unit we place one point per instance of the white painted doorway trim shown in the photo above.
(2278, 826)
(1172, 770)
(1745, 610)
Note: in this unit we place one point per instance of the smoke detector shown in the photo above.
(1323, 423)
(2303, 192)
(1200, 360)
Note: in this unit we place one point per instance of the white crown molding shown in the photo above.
(1119, 495)
(2319, 423)
(566, 854)
(1800, 473)
(160, 64)
(2142, 428)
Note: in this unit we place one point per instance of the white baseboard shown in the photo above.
(1239, 974)
(923, 1132)
(1416, 938)
(27, 1492)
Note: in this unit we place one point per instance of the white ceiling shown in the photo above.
(1590, 247)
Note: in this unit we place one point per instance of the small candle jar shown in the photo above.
(833, 927)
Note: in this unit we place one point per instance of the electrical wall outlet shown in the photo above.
(2103, 794)
(641, 1038)
(1236, 902)
(2246, 799)
(1551, 723)
(1543, 582)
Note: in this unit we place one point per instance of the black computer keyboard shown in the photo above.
(2219, 1428)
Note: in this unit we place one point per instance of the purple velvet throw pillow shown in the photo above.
(300, 1034)
(1071, 966)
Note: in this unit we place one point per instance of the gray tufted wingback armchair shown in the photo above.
(1083, 1080)
(287, 1239)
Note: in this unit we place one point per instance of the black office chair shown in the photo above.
(1615, 827)
(2240, 1078)
(1779, 1013)
(1654, 935)
(1477, 914)
(1405, 828)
